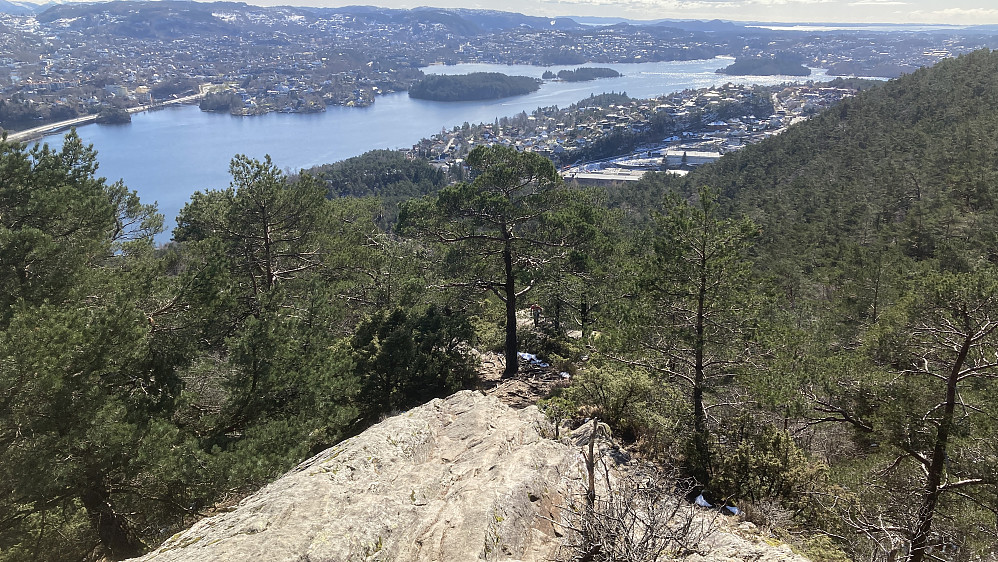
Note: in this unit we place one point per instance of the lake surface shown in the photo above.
(168, 154)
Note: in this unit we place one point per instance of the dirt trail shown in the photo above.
(527, 387)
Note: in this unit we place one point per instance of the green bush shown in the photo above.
(489, 325)
(635, 405)
(822, 549)
(757, 461)
(405, 359)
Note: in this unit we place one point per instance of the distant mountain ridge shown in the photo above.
(17, 8)
(463, 21)
(139, 18)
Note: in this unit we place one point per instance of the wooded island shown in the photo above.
(766, 66)
(472, 87)
(581, 74)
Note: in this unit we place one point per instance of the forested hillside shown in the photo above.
(388, 175)
(873, 257)
(806, 329)
(142, 387)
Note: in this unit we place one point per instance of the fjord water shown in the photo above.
(168, 154)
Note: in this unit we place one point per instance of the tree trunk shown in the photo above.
(937, 464)
(701, 442)
(512, 360)
(113, 531)
(591, 468)
(268, 253)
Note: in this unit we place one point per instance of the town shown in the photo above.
(613, 138)
(74, 60)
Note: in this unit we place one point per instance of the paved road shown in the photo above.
(39, 132)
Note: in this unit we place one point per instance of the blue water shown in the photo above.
(167, 154)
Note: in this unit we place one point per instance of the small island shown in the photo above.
(472, 87)
(582, 74)
(779, 64)
(113, 116)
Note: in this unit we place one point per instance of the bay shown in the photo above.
(168, 154)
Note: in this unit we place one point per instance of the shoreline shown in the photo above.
(42, 131)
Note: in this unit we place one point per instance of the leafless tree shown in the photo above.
(636, 516)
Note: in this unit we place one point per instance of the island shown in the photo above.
(113, 116)
(582, 74)
(472, 87)
(780, 64)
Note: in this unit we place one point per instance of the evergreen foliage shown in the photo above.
(140, 387)
(876, 223)
(586, 73)
(693, 322)
(779, 64)
(404, 360)
(813, 337)
(229, 102)
(499, 231)
(474, 86)
(113, 116)
(86, 394)
(388, 175)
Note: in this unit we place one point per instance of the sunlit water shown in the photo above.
(166, 155)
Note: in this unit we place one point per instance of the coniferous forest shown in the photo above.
(474, 86)
(808, 328)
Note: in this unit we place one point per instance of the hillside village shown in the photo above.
(699, 126)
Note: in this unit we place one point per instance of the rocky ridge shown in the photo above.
(461, 478)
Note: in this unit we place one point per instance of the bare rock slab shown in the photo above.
(458, 479)
(461, 478)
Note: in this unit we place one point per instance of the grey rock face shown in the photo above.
(461, 478)
(458, 479)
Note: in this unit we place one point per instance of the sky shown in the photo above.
(955, 12)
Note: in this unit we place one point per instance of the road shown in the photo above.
(39, 132)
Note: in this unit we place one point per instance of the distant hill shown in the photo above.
(15, 8)
(167, 19)
(983, 29)
(703, 26)
(490, 20)
(686, 25)
(170, 19)
(459, 21)
(454, 23)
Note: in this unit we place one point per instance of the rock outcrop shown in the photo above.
(461, 478)
(455, 479)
